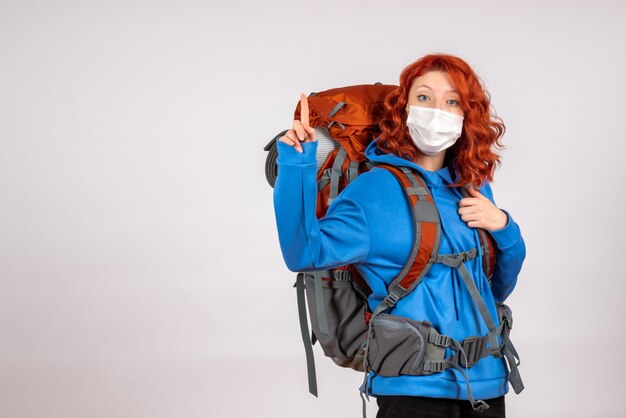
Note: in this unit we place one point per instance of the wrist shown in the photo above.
(504, 221)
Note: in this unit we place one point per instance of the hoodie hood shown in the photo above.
(432, 178)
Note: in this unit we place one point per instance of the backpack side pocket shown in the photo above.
(344, 315)
(397, 345)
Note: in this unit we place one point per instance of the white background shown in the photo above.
(140, 272)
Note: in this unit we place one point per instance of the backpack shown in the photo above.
(346, 120)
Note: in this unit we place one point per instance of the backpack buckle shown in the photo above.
(472, 346)
(434, 366)
(468, 255)
(392, 298)
(439, 340)
(342, 275)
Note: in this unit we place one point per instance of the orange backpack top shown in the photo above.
(347, 119)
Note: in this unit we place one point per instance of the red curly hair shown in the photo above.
(471, 154)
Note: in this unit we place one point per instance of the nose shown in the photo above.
(435, 103)
(440, 104)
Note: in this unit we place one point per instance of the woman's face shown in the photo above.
(435, 89)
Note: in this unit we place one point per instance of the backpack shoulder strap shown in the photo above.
(426, 239)
(488, 246)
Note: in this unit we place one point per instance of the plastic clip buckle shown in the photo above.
(342, 275)
(468, 255)
(434, 366)
(472, 347)
(393, 298)
(441, 340)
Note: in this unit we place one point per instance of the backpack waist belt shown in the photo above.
(417, 341)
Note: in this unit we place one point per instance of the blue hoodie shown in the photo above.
(369, 224)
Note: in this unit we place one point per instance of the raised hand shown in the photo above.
(301, 130)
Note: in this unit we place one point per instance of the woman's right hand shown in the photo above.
(301, 130)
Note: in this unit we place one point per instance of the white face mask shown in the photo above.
(433, 130)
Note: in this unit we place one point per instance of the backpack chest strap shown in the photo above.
(454, 260)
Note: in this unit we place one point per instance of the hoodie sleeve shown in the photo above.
(510, 254)
(341, 237)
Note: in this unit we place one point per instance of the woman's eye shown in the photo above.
(455, 102)
(421, 95)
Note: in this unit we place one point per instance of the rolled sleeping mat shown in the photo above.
(325, 145)
(271, 168)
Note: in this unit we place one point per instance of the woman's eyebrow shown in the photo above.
(424, 85)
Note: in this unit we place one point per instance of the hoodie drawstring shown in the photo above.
(455, 292)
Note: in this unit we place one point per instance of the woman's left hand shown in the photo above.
(479, 212)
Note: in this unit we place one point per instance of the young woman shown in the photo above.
(438, 123)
